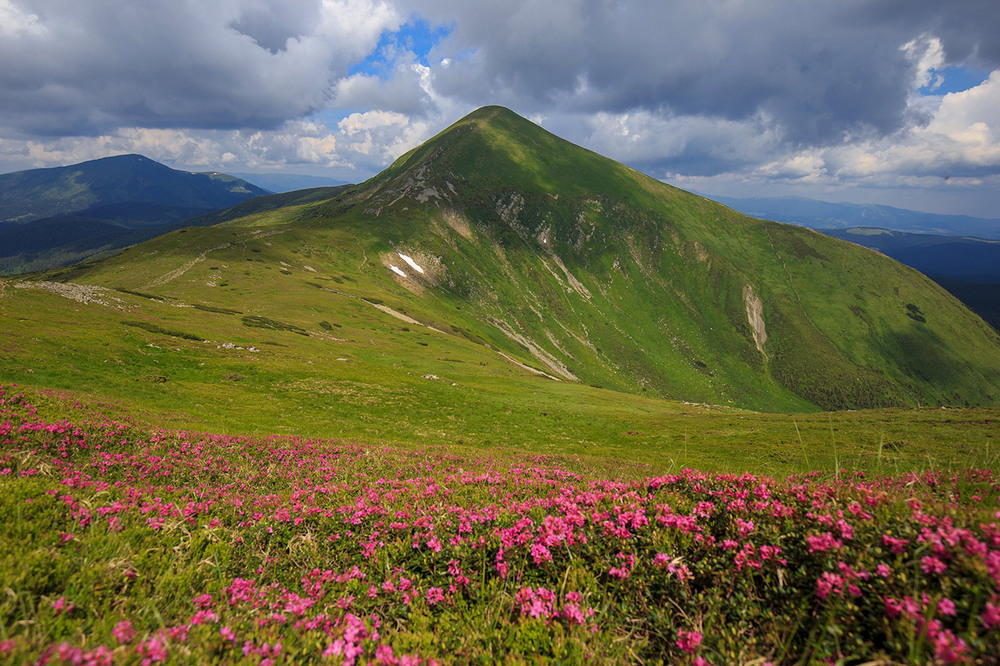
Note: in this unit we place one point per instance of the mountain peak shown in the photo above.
(492, 151)
(609, 276)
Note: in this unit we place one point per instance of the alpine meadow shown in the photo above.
(508, 400)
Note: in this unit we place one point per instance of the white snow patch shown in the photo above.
(412, 263)
(396, 270)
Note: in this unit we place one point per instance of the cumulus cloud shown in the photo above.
(79, 68)
(820, 70)
(953, 159)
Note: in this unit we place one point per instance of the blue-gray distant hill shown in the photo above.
(823, 215)
(288, 182)
(54, 216)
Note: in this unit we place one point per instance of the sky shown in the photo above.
(870, 101)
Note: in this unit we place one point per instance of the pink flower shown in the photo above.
(540, 554)
(536, 602)
(946, 606)
(931, 564)
(823, 542)
(153, 650)
(123, 632)
(384, 654)
(689, 641)
(435, 595)
(624, 571)
(62, 606)
(227, 634)
(991, 616)
(948, 647)
(203, 601)
(680, 571)
(898, 546)
(572, 612)
(829, 582)
(204, 617)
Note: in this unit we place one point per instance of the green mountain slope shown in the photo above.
(502, 284)
(620, 280)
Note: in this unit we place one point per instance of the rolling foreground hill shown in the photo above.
(52, 217)
(493, 269)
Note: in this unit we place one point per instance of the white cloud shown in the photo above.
(15, 21)
(91, 67)
(962, 139)
(928, 54)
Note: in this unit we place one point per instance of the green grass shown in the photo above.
(365, 380)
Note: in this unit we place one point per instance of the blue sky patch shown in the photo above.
(417, 37)
(954, 79)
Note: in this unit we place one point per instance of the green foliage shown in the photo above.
(213, 308)
(155, 328)
(257, 321)
(152, 297)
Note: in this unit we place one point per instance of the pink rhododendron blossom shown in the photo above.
(435, 595)
(153, 650)
(540, 554)
(123, 632)
(61, 606)
(946, 606)
(991, 615)
(688, 641)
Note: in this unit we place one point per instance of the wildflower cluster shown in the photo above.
(124, 544)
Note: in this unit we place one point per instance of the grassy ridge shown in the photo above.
(366, 378)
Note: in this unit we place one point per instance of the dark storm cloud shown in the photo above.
(76, 68)
(968, 28)
(819, 70)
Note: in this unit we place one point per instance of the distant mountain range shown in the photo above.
(823, 215)
(967, 267)
(50, 217)
(953, 257)
(284, 182)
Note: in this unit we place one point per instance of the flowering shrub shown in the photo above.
(124, 544)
